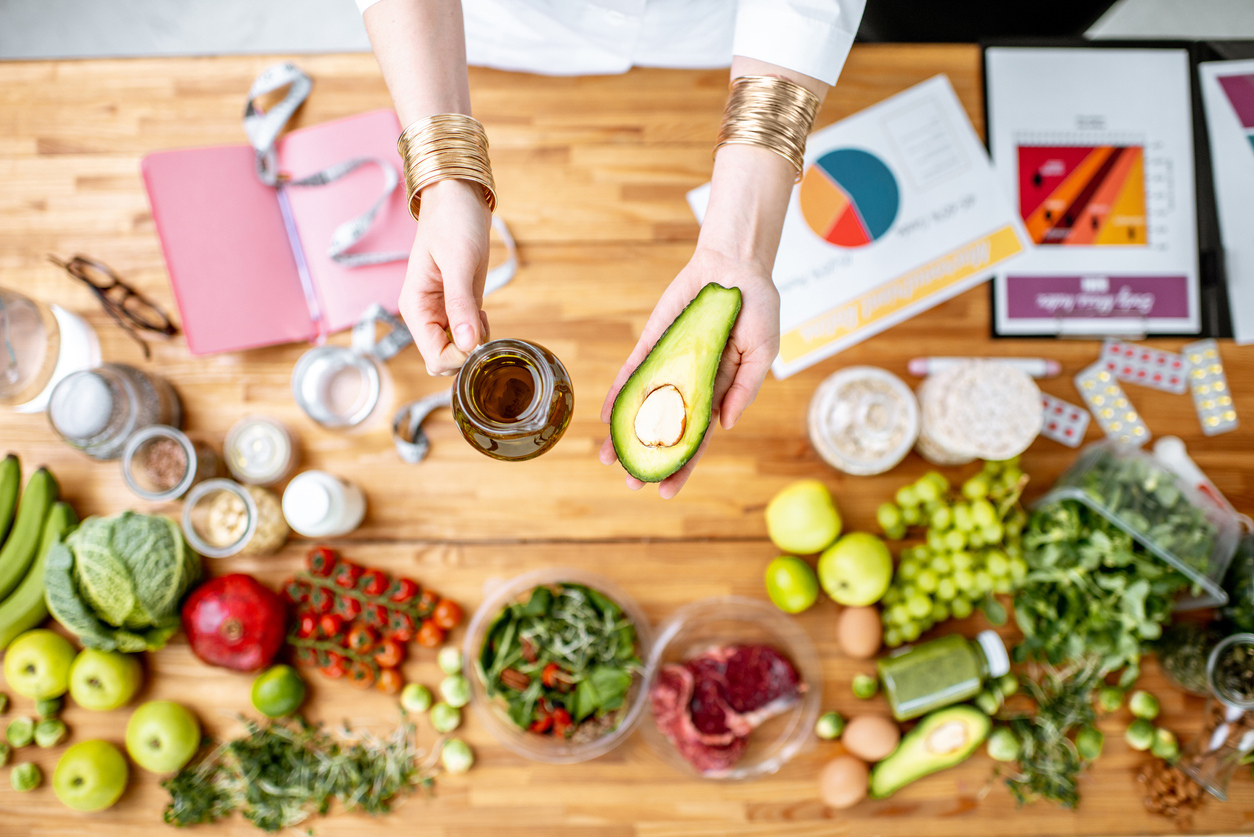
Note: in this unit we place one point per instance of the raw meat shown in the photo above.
(708, 707)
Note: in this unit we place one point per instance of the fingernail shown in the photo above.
(464, 337)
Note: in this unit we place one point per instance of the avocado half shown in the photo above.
(945, 738)
(661, 414)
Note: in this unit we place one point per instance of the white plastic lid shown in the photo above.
(82, 405)
(995, 652)
(307, 504)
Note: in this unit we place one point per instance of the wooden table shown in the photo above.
(592, 174)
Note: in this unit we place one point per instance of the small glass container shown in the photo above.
(1227, 735)
(863, 420)
(223, 518)
(259, 451)
(513, 399)
(161, 463)
(321, 505)
(941, 672)
(338, 387)
(97, 410)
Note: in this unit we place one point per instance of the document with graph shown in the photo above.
(1094, 147)
(897, 210)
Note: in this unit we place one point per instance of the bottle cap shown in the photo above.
(307, 505)
(82, 405)
(995, 652)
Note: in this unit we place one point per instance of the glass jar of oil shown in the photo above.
(513, 399)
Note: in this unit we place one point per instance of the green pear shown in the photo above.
(802, 519)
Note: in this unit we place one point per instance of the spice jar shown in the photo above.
(97, 410)
(941, 672)
(321, 505)
(1227, 735)
(513, 399)
(161, 463)
(259, 451)
(223, 518)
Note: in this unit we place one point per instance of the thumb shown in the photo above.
(463, 301)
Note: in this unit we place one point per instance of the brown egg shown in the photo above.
(843, 782)
(859, 632)
(871, 737)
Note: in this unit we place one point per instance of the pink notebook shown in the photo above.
(228, 253)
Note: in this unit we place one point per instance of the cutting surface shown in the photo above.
(591, 174)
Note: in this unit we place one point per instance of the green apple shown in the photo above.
(803, 518)
(162, 736)
(856, 570)
(37, 664)
(90, 776)
(791, 584)
(103, 680)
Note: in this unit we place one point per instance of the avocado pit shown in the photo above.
(662, 418)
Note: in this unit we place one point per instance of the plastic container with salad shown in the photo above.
(555, 660)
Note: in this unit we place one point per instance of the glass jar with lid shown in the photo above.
(259, 451)
(1227, 735)
(942, 672)
(223, 518)
(97, 410)
(161, 463)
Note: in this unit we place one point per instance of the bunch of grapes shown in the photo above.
(971, 547)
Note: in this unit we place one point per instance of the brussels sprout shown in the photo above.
(865, 686)
(455, 690)
(20, 731)
(48, 707)
(830, 725)
(450, 660)
(1007, 684)
(1089, 743)
(50, 732)
(445, 718)
(5, 752)
(988, 701)
(456, 756)
(1003, 744)
(415, 698)
(1140, 735)
(1143, 705)
(1109, 698)
(1165, 746)
(25, 777)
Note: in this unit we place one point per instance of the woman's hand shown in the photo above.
(443, 292)
(752, 346)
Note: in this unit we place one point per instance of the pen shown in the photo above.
(1037, 367)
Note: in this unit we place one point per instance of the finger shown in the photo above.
(608, 455)
(423, 311)
(460, 270)
(669, 487)
(744, 388)
(634, 484)
(487, 331)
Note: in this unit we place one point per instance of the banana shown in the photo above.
(10, 483)
(25, 609)
(19, 550)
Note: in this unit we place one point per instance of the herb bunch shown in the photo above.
(282, 771)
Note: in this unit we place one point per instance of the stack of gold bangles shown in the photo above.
(447, 146)
(771, 113)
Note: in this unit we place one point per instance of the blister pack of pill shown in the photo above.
(1211, 396)
(1154, 368)
(1108, 403)
(1063, 422)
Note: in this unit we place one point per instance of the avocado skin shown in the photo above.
(911, 760)
(700, 331)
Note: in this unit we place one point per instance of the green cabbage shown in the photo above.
(117, 581)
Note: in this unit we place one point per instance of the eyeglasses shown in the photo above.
(129, 308)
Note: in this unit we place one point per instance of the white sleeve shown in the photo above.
(812, 37)
(362, 5)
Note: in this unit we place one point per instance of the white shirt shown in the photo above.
(585, 37)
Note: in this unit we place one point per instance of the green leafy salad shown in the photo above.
(564, 662)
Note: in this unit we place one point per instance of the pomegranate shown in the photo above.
(234, 622)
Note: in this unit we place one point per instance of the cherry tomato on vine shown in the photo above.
(429, 635)
(308, 626)
(403, 591)
(389, 653)
(361, 674)
(331, 625)
(448, 614)
(322, 561)
(373, 582)
(390, 681)
(361, 639)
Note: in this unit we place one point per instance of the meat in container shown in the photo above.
(750, 695)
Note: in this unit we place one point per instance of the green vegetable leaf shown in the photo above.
(994, 611)
(67, 606)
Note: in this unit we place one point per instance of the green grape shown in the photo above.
(896, 533)
(941, 518)
(976, 539)
(898, 614)
(963, 520)
(908, 570)
(993, 533)
(964, 580)
(976, 487)
(927, 581)
(955, 540)
(927, 491)
(918, 605)
(912, 515)
(907, 497)
(983, 513)
(1014, 549)
(891, 596)
(888, 516)
(1003, 585)
(939, 612)
(892, 637)
(1009, 479)
(911, 632)
(983, 582)
(997, 563)
(942, 484)
(1016, 521)
(962, 560)
(942, 564)
(946, 589)
(1018, 569)
(961, 607)
(935, 540)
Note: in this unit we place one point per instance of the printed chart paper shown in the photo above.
(1228, 95)
(897, 210)
(1095, 149)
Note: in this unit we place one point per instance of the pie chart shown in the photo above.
(849, 197)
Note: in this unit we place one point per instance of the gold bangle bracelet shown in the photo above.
(447, 146)
(771, 113)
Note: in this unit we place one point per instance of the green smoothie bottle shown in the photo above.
(941, 672)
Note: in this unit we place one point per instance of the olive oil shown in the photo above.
(513, 399)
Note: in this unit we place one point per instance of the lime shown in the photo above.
(278, 691)
(791, 584)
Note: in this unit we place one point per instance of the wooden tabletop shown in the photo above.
(591, 176)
